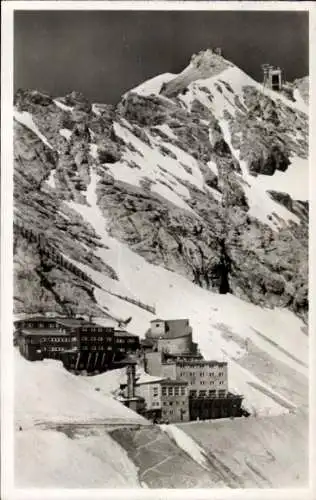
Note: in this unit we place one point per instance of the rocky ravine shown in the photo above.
(187, 168)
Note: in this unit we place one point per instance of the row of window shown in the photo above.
(177, 403)
(57, 339)
(194, 374)
(91, 329)
(123, 340)
(205, 393)
(170, 412)
(38, 325)
(99, 339)
(202, 382)
(96, 348)
(170, 391)
(53, 349)
(202, 366)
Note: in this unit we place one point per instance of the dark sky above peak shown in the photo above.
(105, 53)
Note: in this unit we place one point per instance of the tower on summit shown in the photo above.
(218, 51)
(272, 77)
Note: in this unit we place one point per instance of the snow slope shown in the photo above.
(169, 175)
(26, 119)
(60, 437)
(280, 331)
(187, 444)
(261, 452)
(294, 181)
(50, 459)
(46, 393)
(153, 86)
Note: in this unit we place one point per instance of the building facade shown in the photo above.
(207, 408)
(175, 401)
(165, 399)
(272, 77)
(204, 378)
(79, 344)
(171, 336)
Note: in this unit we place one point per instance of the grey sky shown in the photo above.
(104, 53)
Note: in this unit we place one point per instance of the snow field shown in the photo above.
(26, 119)
(157, 167)
(66, 133)
(153, 86)
(50, 459)
(63, 106)
(186, 443)
(46, 393)
(204, 309)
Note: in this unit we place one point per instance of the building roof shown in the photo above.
(123, 333)
(148, 342)
(184, 356)
(169, 381)
(177, 328)
(161, 380)
(145, 379)
(202, 362)
(74, 322)
(35, 319)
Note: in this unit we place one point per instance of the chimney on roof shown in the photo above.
(131, 378)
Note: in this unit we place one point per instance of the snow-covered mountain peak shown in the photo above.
(196, 181)
(205, 64)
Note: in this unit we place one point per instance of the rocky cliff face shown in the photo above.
(201, 174)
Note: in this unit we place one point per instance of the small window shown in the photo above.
(170, 403)
(100, 339)
(170, 391)
(177, 391)
(155, 391)
(182, 391)
(164, 391)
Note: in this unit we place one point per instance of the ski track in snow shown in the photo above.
(138, 278)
